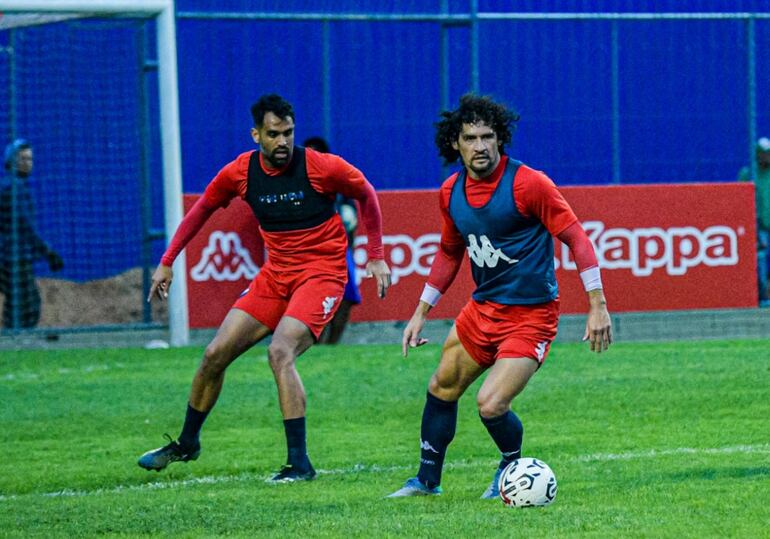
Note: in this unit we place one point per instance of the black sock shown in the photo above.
(296, 443)
(439, 421)
(507, 432)
(193, 421)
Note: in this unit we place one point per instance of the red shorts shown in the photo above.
(306, 295)
(489, 331)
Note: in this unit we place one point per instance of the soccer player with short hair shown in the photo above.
(504, 215)
(296, 293)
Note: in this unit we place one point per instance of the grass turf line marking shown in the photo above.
(358, 468)
(60, 371)
(654, 453)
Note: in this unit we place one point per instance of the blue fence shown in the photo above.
(602, 99)
(674, 108)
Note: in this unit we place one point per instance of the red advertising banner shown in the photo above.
(666, 247)
(661, 247)
(222, 259)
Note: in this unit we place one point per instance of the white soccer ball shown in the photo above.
(527, 482)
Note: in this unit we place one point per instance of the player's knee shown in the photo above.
(491, 406)
(443, 388)
(280, 354)
(215, 360)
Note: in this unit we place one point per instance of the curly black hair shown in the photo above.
(271, 103)
(473, 109)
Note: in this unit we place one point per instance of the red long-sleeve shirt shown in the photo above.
(328, 174)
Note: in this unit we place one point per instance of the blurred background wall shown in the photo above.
(605, 97)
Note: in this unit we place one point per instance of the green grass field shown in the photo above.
(648, 440)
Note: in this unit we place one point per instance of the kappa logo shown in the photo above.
(425, 446)
(328, 305)
(224, 259)
(540, 350)
(484, 253)
(643, 250)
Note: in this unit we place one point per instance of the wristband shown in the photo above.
(430, 295)
(592, 278)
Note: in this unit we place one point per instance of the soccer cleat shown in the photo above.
(157, 459)
(414, 487)
(493, 490)
(290, 474)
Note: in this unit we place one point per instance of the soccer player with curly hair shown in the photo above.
(504, 215)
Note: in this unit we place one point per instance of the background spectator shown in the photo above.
(20, 245)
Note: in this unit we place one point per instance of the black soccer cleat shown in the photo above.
(290, 474)
(159, 458)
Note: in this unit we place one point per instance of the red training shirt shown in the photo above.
(296, 249)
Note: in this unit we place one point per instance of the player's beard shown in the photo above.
(482, 167)
(279, 160)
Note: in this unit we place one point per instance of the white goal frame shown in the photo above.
(163, 12)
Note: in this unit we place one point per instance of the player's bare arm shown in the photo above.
(598, 325)
(379, 269)
(443, 271)
(161, 281)
(411, 337)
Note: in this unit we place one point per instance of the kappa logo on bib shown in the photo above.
(483, 253)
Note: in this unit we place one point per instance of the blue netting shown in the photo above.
(76, 87)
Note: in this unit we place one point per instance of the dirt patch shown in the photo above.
(118, 300)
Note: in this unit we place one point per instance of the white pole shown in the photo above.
(172, 169)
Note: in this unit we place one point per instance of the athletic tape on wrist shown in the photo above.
(430, 295)
(592, 279)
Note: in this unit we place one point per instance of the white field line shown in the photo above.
(61, 371)
(654, 453)
(364, 468)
